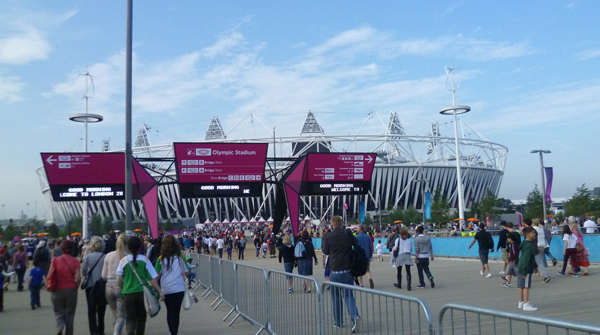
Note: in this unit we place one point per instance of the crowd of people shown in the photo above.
(125, 264)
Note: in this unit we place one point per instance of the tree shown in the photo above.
(440, 208)
(580, 203)
(490, 206)
(96, 224)
(120, 226)
(394, 215)
(475, 210)
(107, 224)
(533, 209)
(412, 215)
(167, 226)
(74, 225)
(53, 230)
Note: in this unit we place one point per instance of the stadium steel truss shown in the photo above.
(407, 165)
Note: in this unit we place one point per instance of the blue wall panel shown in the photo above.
(458, 246)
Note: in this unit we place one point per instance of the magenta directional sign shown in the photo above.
(339, 173)
(207, 169)
(90, 176)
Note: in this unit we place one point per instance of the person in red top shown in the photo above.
(66, 277)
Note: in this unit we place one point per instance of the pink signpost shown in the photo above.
(220, 169)
(99, 176)
(327, 174)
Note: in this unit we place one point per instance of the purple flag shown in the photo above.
(548, 184)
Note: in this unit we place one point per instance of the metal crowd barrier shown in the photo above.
(378, 312)
(476, 320)
(297, 312)
(203, 274)
(228, 285)
(252, 295)
(215, 280)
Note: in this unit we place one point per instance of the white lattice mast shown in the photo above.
(215, 130)
(394, 125)
(142, 139)
(311, 126)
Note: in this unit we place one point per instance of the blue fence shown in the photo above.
(458, 246)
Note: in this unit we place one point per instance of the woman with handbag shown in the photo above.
(92, 266)
(63, 279)
(113, 291)
(401, 253)
(172, 271)
(20, 265)
(132, 268)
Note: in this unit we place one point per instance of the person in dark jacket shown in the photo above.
(526, 267)
(286, 252)
(305, 266)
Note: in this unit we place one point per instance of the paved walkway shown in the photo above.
(458, 281)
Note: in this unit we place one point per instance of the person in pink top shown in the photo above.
(65, 270)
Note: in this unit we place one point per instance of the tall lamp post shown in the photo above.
(542, 152)
(456, 110)
(86, 118)
(424, 181)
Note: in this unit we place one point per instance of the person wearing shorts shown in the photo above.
(485, 242)
(526, 267)
(502, 246)
(513, 240)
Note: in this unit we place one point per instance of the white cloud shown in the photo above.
(588, 54)
(10, 89)
(23, 45)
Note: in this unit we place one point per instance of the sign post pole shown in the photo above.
(128, 151)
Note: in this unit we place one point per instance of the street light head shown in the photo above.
(455, 110)
(86, 117)
(534, 151)
(546, 151)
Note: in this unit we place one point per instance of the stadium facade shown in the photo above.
(407, 165)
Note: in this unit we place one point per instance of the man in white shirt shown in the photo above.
(590, 225)
(220, 244)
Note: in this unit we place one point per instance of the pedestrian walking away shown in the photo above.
(401, 256)
(113, 291)
(423, 253)
(337, 245)
(365, 242)
(92, 266)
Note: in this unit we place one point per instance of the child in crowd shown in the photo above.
(513, 240)
(265, 247)
(526, 267)
(229, 246)
(37, 279)
(192, 275)
(379, 250)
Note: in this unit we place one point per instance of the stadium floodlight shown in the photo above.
(455, 110)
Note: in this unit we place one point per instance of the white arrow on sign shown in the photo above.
(370, 159)
(50, 160)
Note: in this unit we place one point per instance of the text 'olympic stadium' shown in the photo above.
(406, 166)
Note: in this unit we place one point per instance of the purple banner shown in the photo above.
(548, 184)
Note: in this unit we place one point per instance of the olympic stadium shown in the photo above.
(406, 166)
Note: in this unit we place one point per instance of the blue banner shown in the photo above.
(428, 206)
(362, 211)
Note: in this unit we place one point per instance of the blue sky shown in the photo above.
(529, 70)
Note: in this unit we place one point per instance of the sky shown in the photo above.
(530, 70)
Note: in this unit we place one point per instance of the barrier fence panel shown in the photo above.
(203, 273)
(228, 285)
(215, 280)
(297, 312)
(476, 320)
(378, 312)
(252, 295)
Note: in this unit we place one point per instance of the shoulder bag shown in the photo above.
(85, 281)
(51, 284)
(189, 298)
(151, 296)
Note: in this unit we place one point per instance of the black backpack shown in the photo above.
(359, 262)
